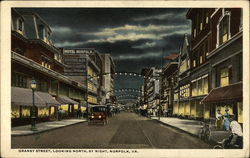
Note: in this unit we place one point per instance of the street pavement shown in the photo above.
(192, 127)
(125, 130)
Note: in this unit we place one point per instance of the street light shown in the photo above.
(33, 111)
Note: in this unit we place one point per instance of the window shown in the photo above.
(194, 33)
(207, 16)
(224, 77)
(201, 59)
(205, 85)
(224, 29)
(194, 63)
(42, 31)
(20, 25)
(194, 89)
(200, 87)
(19, 80)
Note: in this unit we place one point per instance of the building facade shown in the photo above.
(199, 73)
(169, 84)
(216, 61)
(34, 57)
(84, 65)
(225, 60)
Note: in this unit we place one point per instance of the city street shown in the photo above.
(125, 130)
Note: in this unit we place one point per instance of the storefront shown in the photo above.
(22, 102)
(228, 97)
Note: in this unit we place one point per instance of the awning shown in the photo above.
(66, 100)
(23, 96)
(228, 93)
(48, 98)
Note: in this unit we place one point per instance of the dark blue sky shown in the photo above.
(134, 37)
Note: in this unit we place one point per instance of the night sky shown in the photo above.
(134, 37)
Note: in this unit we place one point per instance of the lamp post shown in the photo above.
(33, 109)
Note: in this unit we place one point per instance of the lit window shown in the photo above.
(194, 63)
(194, 32)
(48, 66)
(201, 59)
(200, 26)
(224, 77)
(42, 63)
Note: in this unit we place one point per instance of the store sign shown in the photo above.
(75, 61)
(78, 51)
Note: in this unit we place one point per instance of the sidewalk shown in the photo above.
(44, 126)
(193, 128)
(189, 126)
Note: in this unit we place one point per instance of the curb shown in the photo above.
(42, 131)
(176, 128)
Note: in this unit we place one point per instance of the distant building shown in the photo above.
(108, 71)
(169, 83)
(182, 95)
(152, 91)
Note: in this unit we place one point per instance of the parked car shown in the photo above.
(98, 114)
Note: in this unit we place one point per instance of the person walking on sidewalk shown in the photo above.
(226, 123)
(219, 119)
(60, 114)
(78, 113)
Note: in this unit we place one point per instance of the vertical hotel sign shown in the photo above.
(75, 61)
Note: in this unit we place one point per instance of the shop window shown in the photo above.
(224, 77)
(224, 29)
(194, 89)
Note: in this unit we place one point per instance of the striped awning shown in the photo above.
(23, 97)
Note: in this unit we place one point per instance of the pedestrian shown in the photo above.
(59, 114)
(226, 123)
(78, 113)
(236, 129)
(219, 119)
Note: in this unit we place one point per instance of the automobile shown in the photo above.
(98, 114)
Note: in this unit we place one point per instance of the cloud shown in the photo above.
(145, 45)
(68, 44)
(164, 16)
(61, 30)
(135, 33)
(124, 37)
(137, 56)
